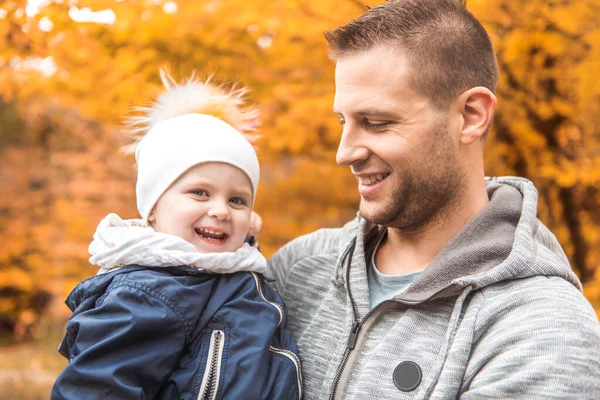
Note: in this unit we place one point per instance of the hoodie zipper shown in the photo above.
(212, 372)
(353, 332)
(357, 325)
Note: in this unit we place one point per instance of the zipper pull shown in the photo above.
(353, 335)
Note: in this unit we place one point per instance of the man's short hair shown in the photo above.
(447, 48)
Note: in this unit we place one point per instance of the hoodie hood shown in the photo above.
(505, 241)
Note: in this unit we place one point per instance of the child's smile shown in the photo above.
(213, 236)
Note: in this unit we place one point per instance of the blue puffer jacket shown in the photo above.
(177, 333)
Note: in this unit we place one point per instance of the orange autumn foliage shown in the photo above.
(65, 87)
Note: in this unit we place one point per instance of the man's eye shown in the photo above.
(341, 121)
(237, 200)
(374, 125)
(200, 192)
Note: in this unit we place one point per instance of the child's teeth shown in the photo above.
(209, 232)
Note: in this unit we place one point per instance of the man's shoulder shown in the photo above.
(533, 288)
(322, 241)
(539, 303)
(536, 329)
(316, 250)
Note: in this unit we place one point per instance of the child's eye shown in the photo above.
(200, 192)
(237, 200)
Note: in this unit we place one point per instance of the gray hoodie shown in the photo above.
(498, 313)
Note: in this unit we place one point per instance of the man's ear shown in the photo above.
(477, 106)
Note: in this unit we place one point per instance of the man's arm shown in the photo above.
(536, 344)
(280, 264)
(123, 349)
(325, 241)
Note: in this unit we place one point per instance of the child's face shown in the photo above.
(209, 206)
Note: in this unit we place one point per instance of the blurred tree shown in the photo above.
(275, 48)
(547, 126)
(55, 182)
(61, 75)
(70, 70)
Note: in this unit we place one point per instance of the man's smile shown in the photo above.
(369, 184)
(371, 179)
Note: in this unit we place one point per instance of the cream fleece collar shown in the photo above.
(119, 242)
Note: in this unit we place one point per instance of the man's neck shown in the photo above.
(406, 251)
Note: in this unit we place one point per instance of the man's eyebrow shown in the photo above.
(374, 112)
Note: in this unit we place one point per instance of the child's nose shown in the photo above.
(219, 210)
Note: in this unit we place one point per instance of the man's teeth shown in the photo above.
(371, 179)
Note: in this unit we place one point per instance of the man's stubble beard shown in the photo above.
(424, 192)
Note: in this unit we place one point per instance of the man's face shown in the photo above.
(398, 146)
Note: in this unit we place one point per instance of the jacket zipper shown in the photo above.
(289, 354)
(262, 296)
(212, 372)
(294, 358)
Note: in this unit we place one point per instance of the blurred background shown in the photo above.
(71, 70)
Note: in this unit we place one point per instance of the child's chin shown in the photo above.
(217, 248)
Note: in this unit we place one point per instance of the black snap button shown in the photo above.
(407, 376)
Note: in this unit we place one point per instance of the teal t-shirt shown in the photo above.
(383, 287)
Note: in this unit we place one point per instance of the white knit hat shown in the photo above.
(187, 126)
(175, 145)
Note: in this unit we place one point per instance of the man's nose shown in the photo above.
(351, 148)
(219, 210)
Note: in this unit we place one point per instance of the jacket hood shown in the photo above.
(505, 241)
